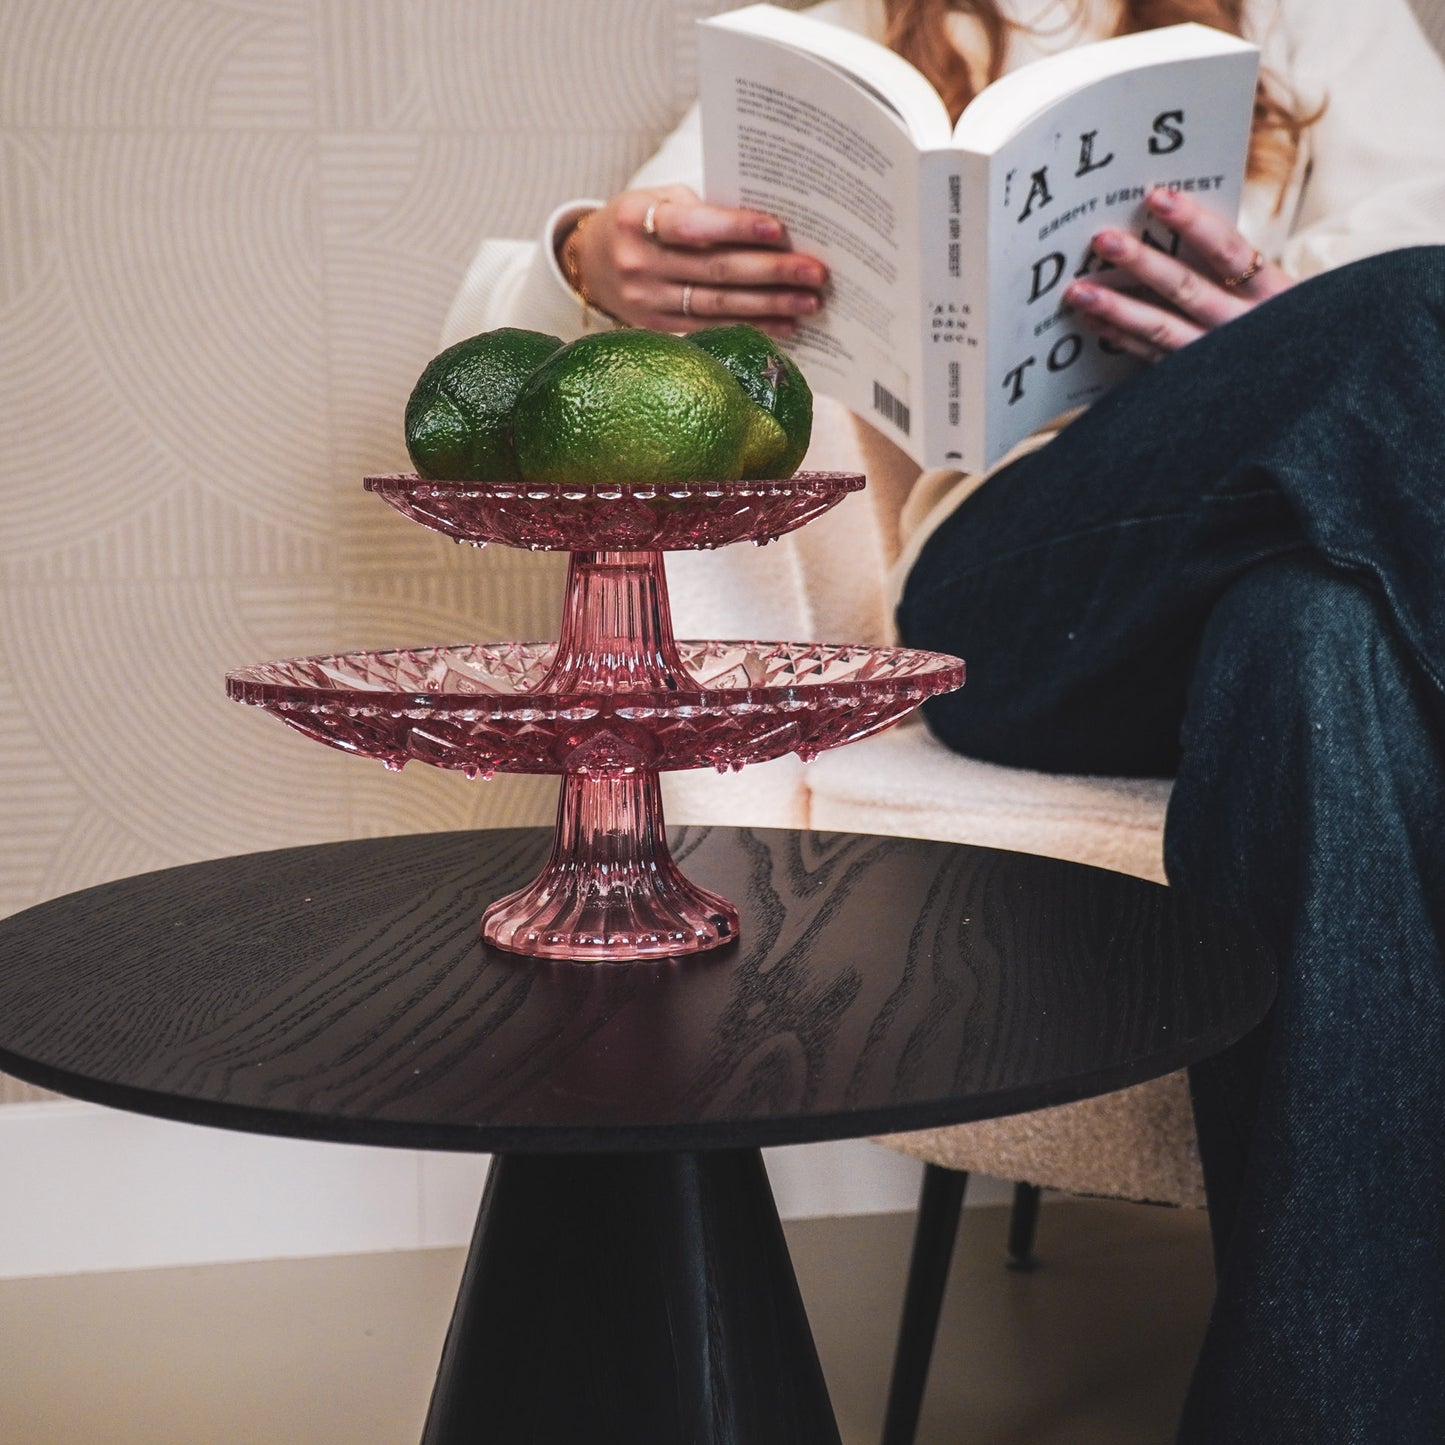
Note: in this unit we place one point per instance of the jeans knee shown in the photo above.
(1295, 630)
(1302, 727)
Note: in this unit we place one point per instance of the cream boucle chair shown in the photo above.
(829, 582)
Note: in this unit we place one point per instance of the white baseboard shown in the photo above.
(90, 1189)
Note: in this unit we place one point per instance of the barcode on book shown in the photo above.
(888, 405)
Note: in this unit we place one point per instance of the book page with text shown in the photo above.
(789, 134)
(886, 75)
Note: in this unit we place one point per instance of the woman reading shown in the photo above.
(1228, 570)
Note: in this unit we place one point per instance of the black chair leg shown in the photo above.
(1023, 1223)
(939, 1205)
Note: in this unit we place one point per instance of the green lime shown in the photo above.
(458, 418)
(765, 447)
(630, 406)
(773, 383)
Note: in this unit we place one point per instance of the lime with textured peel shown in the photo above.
(459, 415)
(630, 406)
(772, 382)
(765, 447)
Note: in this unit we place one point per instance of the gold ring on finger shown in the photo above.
(649, 221)
(687, 299)
(1255, 262)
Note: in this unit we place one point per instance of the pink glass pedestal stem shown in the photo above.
(616, 627)
(610, 890)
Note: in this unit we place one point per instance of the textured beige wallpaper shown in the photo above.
(229, 232)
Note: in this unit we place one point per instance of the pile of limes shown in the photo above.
(617, 406)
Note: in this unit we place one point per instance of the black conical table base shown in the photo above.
(643, 1298)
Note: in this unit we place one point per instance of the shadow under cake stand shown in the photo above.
(613, 702)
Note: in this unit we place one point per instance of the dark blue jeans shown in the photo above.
(1230, 570)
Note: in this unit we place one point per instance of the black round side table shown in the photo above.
(628, 1279)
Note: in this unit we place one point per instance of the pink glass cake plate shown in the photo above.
(613, 702)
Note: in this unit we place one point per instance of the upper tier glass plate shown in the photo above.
(472, 707)
(617, 516)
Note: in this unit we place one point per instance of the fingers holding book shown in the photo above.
(1185, 299)
(675, 216)
(665, 259)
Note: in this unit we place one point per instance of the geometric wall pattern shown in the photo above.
(229, 233)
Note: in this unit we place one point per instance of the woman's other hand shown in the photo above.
(666, 260)
(1231, 278)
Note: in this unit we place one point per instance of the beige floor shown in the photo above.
(1093, 1349)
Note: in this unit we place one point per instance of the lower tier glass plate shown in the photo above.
(470, 707)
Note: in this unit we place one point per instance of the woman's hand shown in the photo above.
(695, 265)
(1232, 278)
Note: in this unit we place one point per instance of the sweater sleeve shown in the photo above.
(519, 283)
(1376, 157)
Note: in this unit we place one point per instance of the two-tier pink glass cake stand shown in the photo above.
(613, 702)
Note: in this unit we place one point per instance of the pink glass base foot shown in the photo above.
(610, 890)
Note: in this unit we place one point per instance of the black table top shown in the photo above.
(341, 992)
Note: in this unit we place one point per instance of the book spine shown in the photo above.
(953, 309)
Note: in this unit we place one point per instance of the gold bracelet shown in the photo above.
(572, 270)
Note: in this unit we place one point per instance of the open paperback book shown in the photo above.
(950, 246)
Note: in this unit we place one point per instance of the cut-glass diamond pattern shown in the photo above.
(621, 516)
(471, 707)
